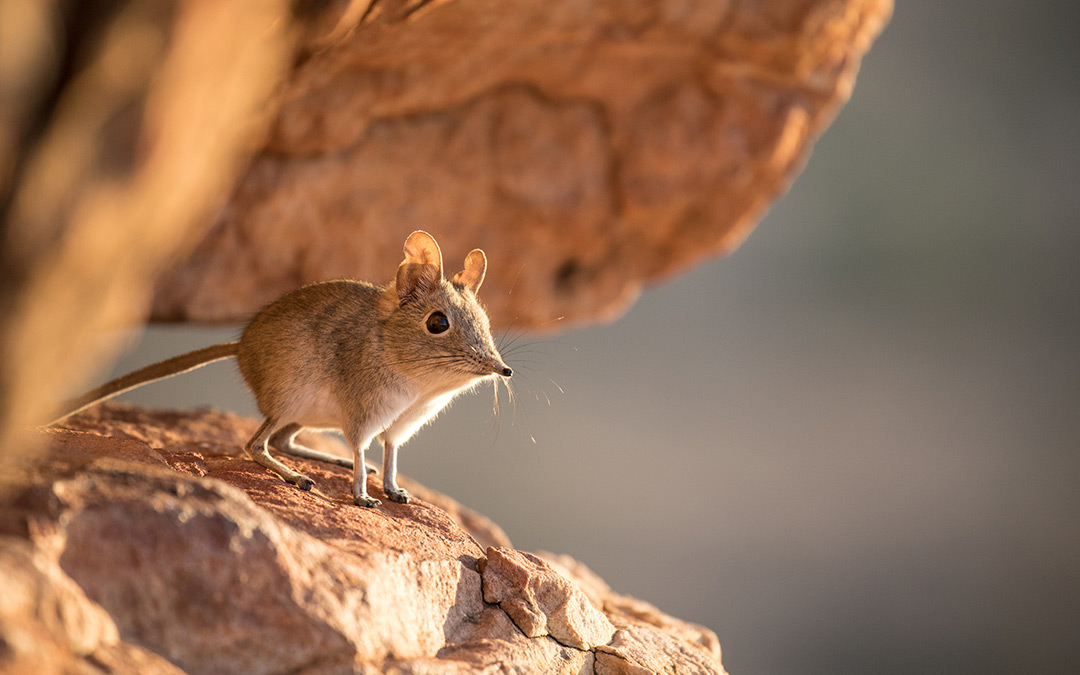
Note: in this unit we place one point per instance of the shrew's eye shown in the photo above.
(438, 323)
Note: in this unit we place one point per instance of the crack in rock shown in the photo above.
(540, 601)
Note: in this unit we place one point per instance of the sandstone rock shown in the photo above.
(540, 601)
(587, 146)
(159, 548)
(47, 622)
(639, 649)
(624, 608)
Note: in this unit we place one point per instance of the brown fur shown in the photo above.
(357, 357)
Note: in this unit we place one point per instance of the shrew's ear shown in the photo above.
(421, 271)
(473, 275)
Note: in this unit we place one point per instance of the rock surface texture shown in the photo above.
(160, 549)
(588, 147)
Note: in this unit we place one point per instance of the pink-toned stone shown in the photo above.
(588, 147)
(48, 623)
(541, 601)
(622, 609)
(160, 548)
(642, 649)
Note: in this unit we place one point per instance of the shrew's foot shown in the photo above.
(396, 494)
(364, 500)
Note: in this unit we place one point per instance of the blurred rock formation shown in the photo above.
(123, 125)
(588, 147)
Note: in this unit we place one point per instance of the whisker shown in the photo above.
(516, 276)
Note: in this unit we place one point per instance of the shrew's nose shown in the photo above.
(506, 372)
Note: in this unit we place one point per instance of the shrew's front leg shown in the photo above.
(390, 487)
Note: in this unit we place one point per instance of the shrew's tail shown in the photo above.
(151, 373)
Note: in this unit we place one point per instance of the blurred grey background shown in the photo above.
(853, 446)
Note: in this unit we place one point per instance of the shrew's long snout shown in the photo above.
(497, 367)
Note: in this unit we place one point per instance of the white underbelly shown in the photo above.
(315, 407)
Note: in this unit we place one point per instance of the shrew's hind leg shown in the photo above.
(284, 440)
(359, 439)
(257, 449)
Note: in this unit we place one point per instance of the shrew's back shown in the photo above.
(309, 337)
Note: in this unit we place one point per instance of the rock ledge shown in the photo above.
(158, 548)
